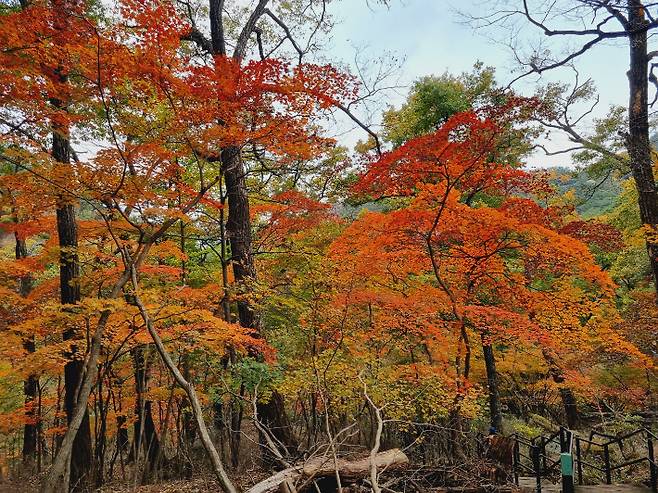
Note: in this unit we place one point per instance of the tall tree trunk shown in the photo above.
(81, 458)
(496, 418)
(32, 426)
(70, 295)
(637, 142)
(238, 227)
(31, 383)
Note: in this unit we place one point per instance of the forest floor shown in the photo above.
(200, 484)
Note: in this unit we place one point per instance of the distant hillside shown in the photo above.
(595, 197)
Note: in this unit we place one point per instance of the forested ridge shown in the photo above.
(204, 288)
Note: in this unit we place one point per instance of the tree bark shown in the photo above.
(81, 460)
(570, 408)
(238, 228)
(31, 383)
(637, 142)
(569, 402)
(145, 434)
(70, 295)
(326, 467)
(496, 417)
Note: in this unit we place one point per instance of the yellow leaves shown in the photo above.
(162, 394)
(167, 250)
(89, 307)
(46, 360)
(650, 233)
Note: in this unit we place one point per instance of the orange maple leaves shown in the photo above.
(465, 250)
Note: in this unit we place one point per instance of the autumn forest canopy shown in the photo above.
(228, 259)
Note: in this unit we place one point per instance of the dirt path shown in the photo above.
(528, 485)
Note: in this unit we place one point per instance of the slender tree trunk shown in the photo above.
(566, 394)
(31, 383)
(67, 231)
(637, 142)
(31, 428)
(232, 423)
(492, 385)
(123, 442)
(570, 408)
(145, 434)
(235, 433)
(188, 426)
(100, 447)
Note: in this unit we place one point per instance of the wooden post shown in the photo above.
(516, 460)
(566, 460)
(535, 453)
(606, 459)
(579, 461)
(652, 466)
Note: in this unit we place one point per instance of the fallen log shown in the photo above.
(322, 467)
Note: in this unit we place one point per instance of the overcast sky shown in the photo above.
(430, 35)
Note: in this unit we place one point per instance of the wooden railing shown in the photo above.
(556, 455)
